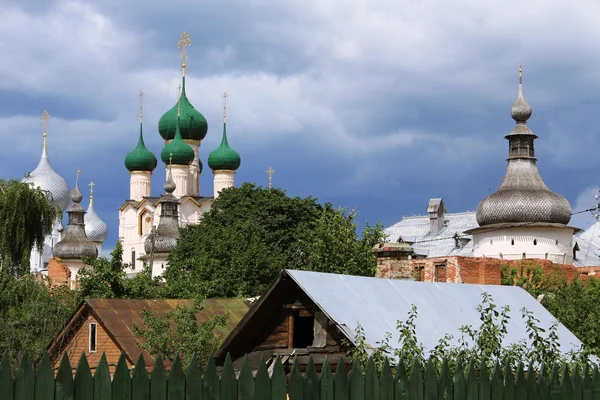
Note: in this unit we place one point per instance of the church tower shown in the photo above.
(140, 162)
(163, 240)
(224, 161)
(74, 244)
(193, 128)
(523, 218)
(44, 177)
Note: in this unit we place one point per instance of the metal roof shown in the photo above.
(416, 230)
(589, 246)
(377, 304)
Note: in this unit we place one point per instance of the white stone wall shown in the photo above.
(552, 243)
(223, 179)
(140, 185)
(129, 232)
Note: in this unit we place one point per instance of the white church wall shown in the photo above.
(552, 243)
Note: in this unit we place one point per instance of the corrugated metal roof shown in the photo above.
(119, 317)
(417, 231)
(589, 246)
(377, 304)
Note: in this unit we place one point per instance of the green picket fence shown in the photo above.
(470, 381)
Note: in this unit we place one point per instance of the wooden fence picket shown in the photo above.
(326, 381)
(245, 381)
(210, 382)
(121, 384)
(193, 381)
(24, 388)
(341, 388)
(228, 390)
(386, 382)
(176, 381)
(102, 390)
(83, 384)
(356, 382)
(262, 382)
(140, 382)
(6, 379)
(311, 382)
(63, 386)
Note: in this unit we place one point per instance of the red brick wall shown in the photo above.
(476, 270)
(58, 273)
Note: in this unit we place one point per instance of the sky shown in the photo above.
(374, 105)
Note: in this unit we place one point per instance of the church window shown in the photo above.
(557, 242)
(524, 256)
(132, 258)
(440, 273)
(491, 241)
(512, 242)
(93, 332)
(147, 225)
(419, 273)
(535, 242)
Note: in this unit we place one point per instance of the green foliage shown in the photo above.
(332, 245)
(26, 218)
(177, 333)
(575, 303)
(251, 234)
(106, 279)
(484, 342)
(30, 315)
(577, 306)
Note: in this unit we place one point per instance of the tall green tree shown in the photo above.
(250, 234)
(26, 218)
(31, 315)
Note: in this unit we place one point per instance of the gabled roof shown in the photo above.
(155, 200)
(377, 304)
(416, 231)
(118, 317)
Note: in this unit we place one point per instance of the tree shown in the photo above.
(250, 234)
(178, 333)
(30, 315)
(27, 215)
(106, 279)
(573, 302)
(484, 343)
(333, 246)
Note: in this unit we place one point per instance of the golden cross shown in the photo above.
(45, 117)
(179, 100)
(184, 41)
(141, 94)
(520, 73)
(170, 158)
(270, 172)
(225, 96)
(91, 185)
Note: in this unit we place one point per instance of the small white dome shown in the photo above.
(44, 177)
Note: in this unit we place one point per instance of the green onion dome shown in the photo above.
(224, 157)
(140, 158)
(181, 152)
(192, 123)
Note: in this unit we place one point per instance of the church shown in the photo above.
(149, 224)
(91, 234)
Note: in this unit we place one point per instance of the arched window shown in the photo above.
(535, 242)
(512, 242)
(132, 258)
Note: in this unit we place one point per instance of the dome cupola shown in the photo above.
(224, 157)
(522, 197)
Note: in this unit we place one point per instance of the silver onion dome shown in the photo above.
(44, 177)
(95, 229)
(75, 244)
(522, 196)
